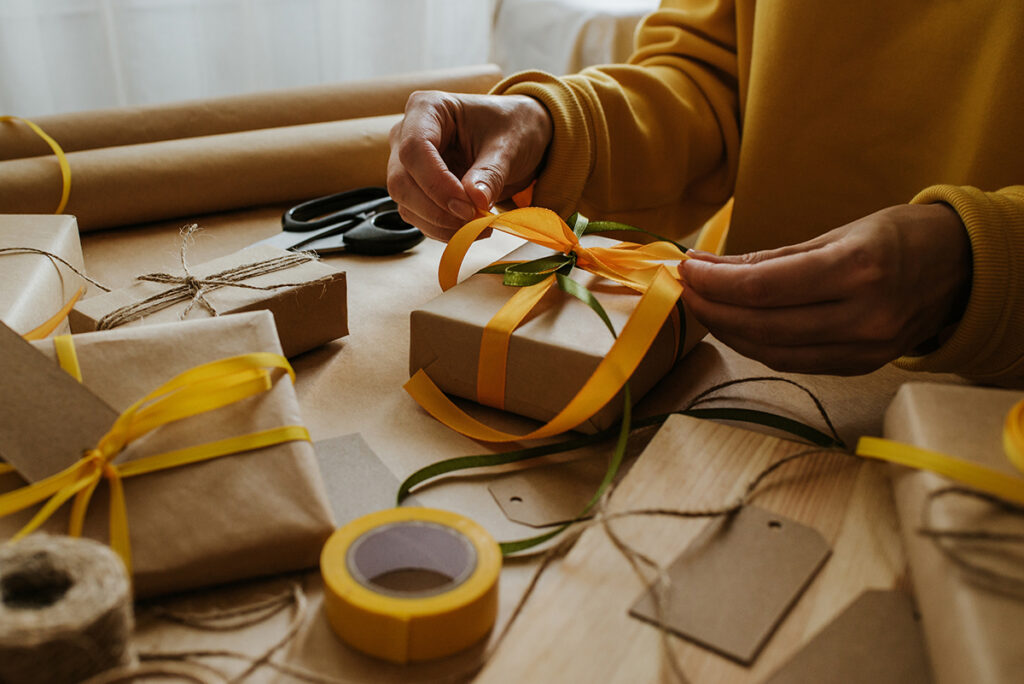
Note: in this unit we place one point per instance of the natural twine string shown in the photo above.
(192, 289)
(52, 257)
(65, 610)
(951, 541)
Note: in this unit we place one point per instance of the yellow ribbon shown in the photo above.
(51, 323)
(636, 266)
(62, 160)
(204, 388)
(974, 475)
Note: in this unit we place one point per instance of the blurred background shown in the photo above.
(69, 55)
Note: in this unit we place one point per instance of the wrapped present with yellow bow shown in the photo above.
(39, 256)
(203, 472)
(552, 347)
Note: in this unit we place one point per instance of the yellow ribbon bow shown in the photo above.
(204, 388)
(636, 266)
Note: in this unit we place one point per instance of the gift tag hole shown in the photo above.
(774, 524)
(516, 499)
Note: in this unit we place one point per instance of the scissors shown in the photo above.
(363, 221)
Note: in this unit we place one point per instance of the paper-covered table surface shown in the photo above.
(354, 385)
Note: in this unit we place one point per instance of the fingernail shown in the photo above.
(464, 210)
(484, 189)
(699, 254)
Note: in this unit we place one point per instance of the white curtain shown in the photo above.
(70, 55)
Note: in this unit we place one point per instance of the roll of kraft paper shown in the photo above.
(65, 610)
(119, 186)
(316, 104)
(411, 584)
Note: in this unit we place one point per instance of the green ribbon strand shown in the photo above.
(525, 273)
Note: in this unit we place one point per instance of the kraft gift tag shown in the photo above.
(876, 640)
(47, 418)
(356, 480)
(735, 583)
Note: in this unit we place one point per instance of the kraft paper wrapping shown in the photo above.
(316, 104)
(972, 629)
(34, 287)
(118, 186)
(550, 355)
(244, 515)
(149, 164)
(310, 314)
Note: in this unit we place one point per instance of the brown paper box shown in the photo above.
(306, 316)
(243, 515)
(972, 629)
(550, 355)
(33, 287)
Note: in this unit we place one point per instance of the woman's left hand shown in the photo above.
(846, 302)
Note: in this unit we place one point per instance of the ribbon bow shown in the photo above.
(204, 388)
(636, 266)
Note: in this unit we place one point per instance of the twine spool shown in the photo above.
(65, 610)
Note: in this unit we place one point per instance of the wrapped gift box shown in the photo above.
(551, 354)
(972, 627)
(309, 312)
(34, 287)
(242, 515)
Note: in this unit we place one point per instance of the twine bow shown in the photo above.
(193, 289)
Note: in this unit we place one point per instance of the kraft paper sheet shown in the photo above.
(227, 154)
(94, 129)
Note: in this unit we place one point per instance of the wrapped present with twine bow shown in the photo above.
(506, 337)
(307, 297)
(40, 272)
(203, 473)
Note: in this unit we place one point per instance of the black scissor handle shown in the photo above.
(334, 209)
(385, 233)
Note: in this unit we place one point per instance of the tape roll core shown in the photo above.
(413, 545)
(454, 609)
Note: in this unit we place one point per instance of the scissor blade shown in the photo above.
(295, 240)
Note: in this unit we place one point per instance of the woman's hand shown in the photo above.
(454, 155)
(844, 303)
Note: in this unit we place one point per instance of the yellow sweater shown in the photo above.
(811, 114)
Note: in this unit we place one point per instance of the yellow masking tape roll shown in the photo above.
(410, 584)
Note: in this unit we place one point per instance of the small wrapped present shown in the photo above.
(35, 285)
(307, 297)
(210, 478)
(963, 547)
(561, 341)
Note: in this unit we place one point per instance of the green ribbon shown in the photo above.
(525, 273)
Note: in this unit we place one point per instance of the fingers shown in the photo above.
(850, 319)
(801, 278)
(428, 194)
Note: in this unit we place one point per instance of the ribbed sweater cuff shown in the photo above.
(986, 344)
(570, 156)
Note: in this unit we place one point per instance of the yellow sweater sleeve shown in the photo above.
(658, 133)
(987, 344)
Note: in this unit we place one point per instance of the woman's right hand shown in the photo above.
(453, 156)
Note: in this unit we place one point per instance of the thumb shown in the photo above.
(485, 180)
